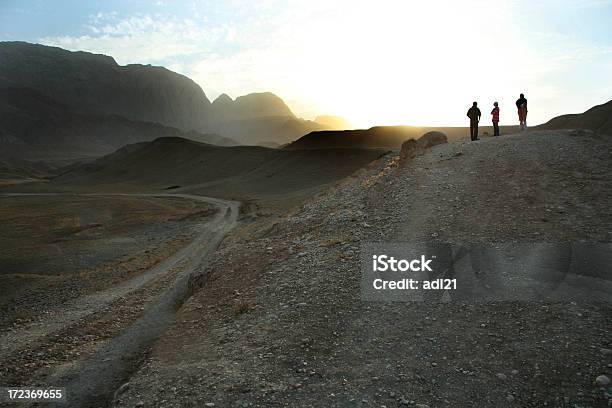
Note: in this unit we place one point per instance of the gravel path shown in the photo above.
(95, 379)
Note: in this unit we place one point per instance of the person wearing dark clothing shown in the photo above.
(521, 105)
(474, 115)
(495, 113)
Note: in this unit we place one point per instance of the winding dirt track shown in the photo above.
(94, 380)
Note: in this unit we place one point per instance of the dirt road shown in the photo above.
(92, 380)
(281, 323)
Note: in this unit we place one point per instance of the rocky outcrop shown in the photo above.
(430, 139)
(412, 148)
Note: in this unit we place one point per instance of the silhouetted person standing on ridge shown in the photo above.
(474, 115)
(495, 113)
(521, 105)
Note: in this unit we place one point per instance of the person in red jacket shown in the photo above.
(495, 113)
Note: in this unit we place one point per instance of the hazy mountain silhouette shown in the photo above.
(598, 119)
(266, 130)
(36, 126)
(259, 119)
(89, 83)
(92, 83)
(255, 105)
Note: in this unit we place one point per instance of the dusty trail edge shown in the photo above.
(95, 380)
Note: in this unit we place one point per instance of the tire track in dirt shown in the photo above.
(94, 380)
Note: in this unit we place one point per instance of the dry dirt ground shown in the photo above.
(278, 320)
(55, 248)
(75, 270)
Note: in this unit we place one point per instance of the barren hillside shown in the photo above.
(36, 126)
(598, 119)
(380, 136)
(177, 163)
(278, 320)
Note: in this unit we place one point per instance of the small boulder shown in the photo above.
(409, 149)
(602, 381)
(432, 138)
(412, 148)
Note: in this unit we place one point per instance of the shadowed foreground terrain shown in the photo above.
(279, 321)
(241, 171)
(56, 248)
(15, 171)
(90, 278)
(274, 317)
(91, 342)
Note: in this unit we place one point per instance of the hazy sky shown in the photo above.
(373, 62)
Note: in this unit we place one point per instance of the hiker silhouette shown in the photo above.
(495, 114)
(521, 106)
(474, 114)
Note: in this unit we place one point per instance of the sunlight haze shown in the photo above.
(374, 63)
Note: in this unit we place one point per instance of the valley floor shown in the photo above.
(278, 320)
(57, 247)
(75, 270)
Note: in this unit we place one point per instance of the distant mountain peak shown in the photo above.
(223, 99)
(84, 83)
(262, 104)
(266, 96)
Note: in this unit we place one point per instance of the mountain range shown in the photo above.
(115, 105)
(37, 127)
(61, 104)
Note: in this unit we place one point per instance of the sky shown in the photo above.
(377, 62)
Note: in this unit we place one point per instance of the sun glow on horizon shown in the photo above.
(390, 62)
(381, 62)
